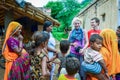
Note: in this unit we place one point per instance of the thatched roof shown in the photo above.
(29, 11)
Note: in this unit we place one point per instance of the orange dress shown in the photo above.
(110, 51)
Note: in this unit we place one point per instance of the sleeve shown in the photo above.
(97, 57)
(63, 71)
(12, 44)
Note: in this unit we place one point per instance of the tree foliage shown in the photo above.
(64, 11)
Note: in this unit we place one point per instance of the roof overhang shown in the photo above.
(28, 11)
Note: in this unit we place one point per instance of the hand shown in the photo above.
(49, 66)
(81, 51)
(20, 37)
(75, 44)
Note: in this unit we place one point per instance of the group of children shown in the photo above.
(69, 66)
(41, 64)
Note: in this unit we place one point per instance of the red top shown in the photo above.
(91, 32)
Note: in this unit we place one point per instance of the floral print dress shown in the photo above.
(36, 67)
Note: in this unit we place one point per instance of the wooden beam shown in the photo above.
(2, 21)
(30, 16)
(29, 11)
(3, 7)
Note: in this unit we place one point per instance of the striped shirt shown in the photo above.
(91, 56)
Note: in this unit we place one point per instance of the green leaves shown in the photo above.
(64, 11)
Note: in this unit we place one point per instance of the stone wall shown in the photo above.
(105, 10)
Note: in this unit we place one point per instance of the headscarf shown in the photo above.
(110, 51)
(13, 27)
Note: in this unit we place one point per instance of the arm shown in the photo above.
(53, 58)
(15, 47)
(18, 49)
(87, 41)
(52, 50)
(44, 67)
(102, 63)
(20, 46)
(86, 44)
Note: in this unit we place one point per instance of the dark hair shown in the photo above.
(38, 39)
(72, 65)
(64, 46)
(118, 27)
(46, 24)
(94, 37)
(96, 20)
(46, 35)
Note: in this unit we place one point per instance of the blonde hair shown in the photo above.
(75, 19)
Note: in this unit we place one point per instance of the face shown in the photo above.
(49, 29)
(93, 24)
(77, 24)
(43, 45)
(96, 45)
(46, 43)
(18, 32)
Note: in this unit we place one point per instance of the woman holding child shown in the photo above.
(110, 52)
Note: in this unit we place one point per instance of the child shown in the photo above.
(39, 69)
(72, 67)
(64, 47)
(93, 60)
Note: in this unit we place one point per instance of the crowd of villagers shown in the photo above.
(85, 55)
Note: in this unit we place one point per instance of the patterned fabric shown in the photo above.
(12, 43)
(36, 67)
(91, 56)
(12, 58)
(20, 67)
(64, 77)
(77, 36)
